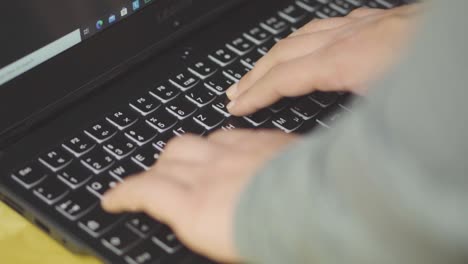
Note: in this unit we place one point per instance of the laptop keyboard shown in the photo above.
(73, 176)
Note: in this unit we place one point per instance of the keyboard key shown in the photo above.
(123, 119)
(145, 105)
(101, 132)
(325, 99)
(258, 35)
(184, 81)
(143, 225)
(266, 47)
(167, 240)
(219, 83)
(141, 133)
(97, 161)
(308, 5)
(30, 175)
(149, 253)
(280, 105)
(99, 185)
(389, 3)
(209, 118)
(240, 46)
(200, 96)
(220, 105)
(56, 159)
(235, 123)
(76, 205)
(181, 108)
(79, 145)
(288, 121)
(120, 240)
(307, 109)
(50, 190)
(119, 147)
(162, 121)
(161, 141)
(342, 6)
(356, 3)
(329, 119)
(74, 175)
(223, 57)
(292, 14)
(259, 118)
(189, 126)
(274, 25)
(250, 59)
(236, 71)
(145, 157)
(327, 12)
(165, 93)
(125, 169)
(204, 68)
(97, 221)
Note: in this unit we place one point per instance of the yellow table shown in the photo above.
(22, 243)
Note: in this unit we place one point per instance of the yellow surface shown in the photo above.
(22, 243)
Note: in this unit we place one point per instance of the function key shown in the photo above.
(56, 159)
(120, 240)
(74, 175)
(79, 145)
(30, 175)
(119, 147)
(165, 93)
(223, 57)
(309, 5)
(161, 141)
(149, 253)
(50, 190)
(99, 185)
(145, 104)
(145, 157)
(257, 35)
(184, 81)
(200, 96)
(162, 120)
(141, 133)
(97, 161)
(167, 240)
(219, 83)
(189, 127)
(101, 132)
(324, 99)
(181, 108)
(250, 59)
(236, 71)
(307, 109)
(259, 118)
(209, 118)
(240, 46)
(125, 169)
(123, 119)
(142, 224)
(76, 205)
(97, 221)
(288, 121)
(203, 68)
(274, 25)
(293, 14)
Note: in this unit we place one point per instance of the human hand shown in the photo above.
(195, 186)
(336, 54)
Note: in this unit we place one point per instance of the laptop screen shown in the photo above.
(36, 31)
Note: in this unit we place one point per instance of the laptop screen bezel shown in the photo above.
(36, 94)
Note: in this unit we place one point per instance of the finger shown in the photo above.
(323, 24)
(293, 78)
(364, 11)
(234, 138)
(188, 148)
(158, 196)
(189, 174)
(285, 50)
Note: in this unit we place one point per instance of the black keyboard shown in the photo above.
(72, 176)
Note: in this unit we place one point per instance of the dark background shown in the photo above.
(27, 25)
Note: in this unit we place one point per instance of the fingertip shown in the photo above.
(233, 91)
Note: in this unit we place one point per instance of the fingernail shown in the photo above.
(231, 105)
(232, 91)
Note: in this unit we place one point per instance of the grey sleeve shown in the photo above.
(390, 183)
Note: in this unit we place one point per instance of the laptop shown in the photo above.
(91, 90)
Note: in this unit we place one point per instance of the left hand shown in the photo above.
(196, 184)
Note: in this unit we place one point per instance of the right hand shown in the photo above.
(335, 54)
